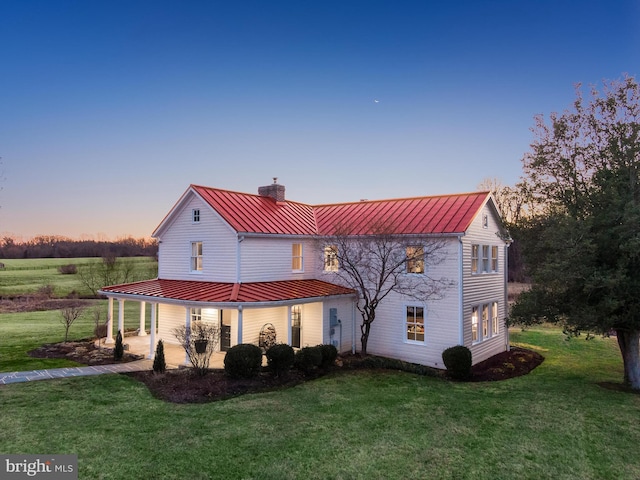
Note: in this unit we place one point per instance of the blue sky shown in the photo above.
(109, 109)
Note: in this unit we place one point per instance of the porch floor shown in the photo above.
(174, 355)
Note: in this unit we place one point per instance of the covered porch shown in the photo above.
(299, 313)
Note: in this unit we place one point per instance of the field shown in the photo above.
(565, 420)
(29, 275)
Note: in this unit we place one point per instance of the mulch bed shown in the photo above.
(184, 386)
(82, 351)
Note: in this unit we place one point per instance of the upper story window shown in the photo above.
(415, 323)
(331, 258)
(485, 258)
(196, 256)
(474, 258)
(195, 215)
(494, 258)
(415, 259)
(296, 257)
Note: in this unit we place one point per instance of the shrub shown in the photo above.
(118, 351)
(243, 361)
(280, 358)
(308, 358)
(159, 363)
(70, 269)
(458, 362)
(329, 355)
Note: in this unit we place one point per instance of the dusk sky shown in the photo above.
(109, 109)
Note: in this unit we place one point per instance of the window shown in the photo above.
(296, 257)
(195, 215)
(494, 258)
(196, 315)
(474, 258)
(494, 316)
(331, 258)
(485, 321)
(485, 258)
(296, 325)
(415, 323)
(415, 259)
(196, 256)
(474, 324)
(485, 221)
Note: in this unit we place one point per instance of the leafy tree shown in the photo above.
(584, 171)
(375, 265)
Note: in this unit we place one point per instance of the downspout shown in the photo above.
(460, 291)
(239, 259)
(506, 293)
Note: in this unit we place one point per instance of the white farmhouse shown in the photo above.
(245, 261)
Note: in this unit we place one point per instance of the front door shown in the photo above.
(296, 324)
(225, 332)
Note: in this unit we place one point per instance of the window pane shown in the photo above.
(415, 259)
(415, 323)
(474, 258)
(474, 324)
(494, 259)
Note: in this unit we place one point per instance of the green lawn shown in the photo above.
(28, 275)
(555, 423)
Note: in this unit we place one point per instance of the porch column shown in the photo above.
(239, 339)
(188, 339)
(109, 338)
(152, 337)
(121, 316)
(289, 334)
(143, 313)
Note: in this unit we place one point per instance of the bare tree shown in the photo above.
(199, 342)
(378, 264)
(69, 315)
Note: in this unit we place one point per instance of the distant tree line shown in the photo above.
(53, 246)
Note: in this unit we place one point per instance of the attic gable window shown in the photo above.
(415, 259)
(331, 258)
(296, 257)
(195, 215)
(196, 256)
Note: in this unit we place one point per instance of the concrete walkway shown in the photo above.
(46, 374)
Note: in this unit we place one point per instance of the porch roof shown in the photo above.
(218, 292)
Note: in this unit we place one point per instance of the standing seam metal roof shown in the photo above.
(250, 213)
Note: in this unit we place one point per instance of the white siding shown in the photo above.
(484, 288)
(269, 259)
(219, 245)
(343, 333)
(169, 318)
(388, 335)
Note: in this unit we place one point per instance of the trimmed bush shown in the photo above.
(329, 355)
(458, 362)
(159, 363)
(308, 359)
(280, 358)
(243, 361)
(118, 351)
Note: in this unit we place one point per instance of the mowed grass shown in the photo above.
(22, 276)
(555, 423)
(23, 332)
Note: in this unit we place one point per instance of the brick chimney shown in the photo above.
(275, 191)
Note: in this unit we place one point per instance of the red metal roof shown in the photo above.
(441, 214)
(216, 292)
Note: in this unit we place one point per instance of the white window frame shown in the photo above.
(196, 259)
(475, 333)
(195, 215)
(331, 258)
(475, 252)
(485, 321)
(485, 258)
(414, 327)
(297, 258)
(485, 220)
(495, 325)
(494, 258)
(415, 259)
(196, 314)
